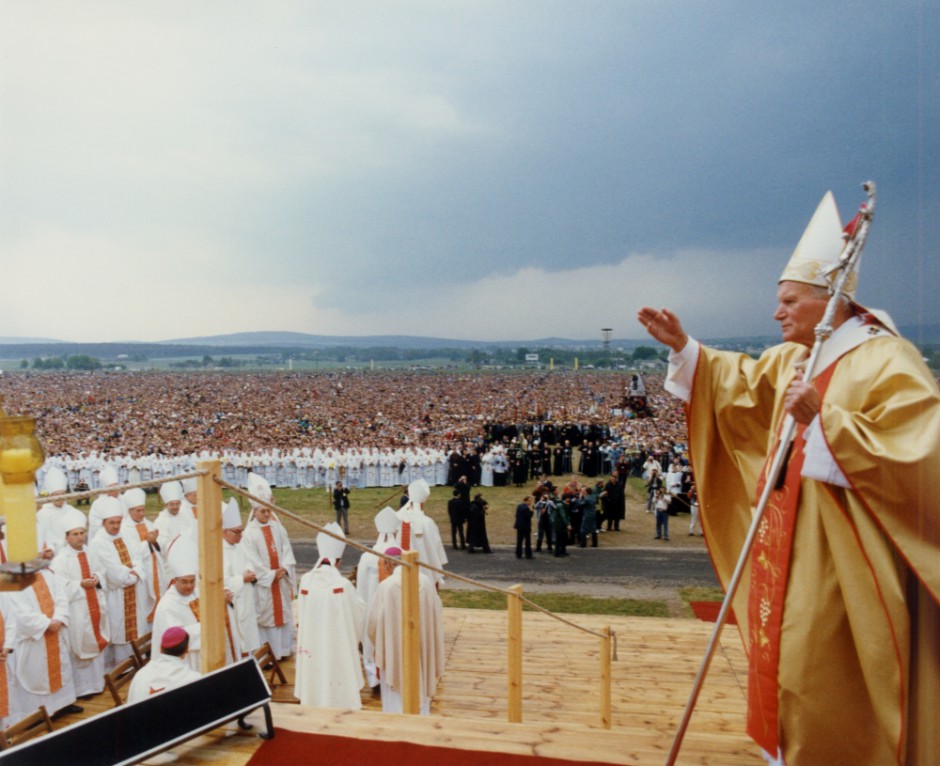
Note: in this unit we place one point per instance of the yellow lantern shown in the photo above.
(21, 454)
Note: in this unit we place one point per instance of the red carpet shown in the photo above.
(291, 747)
(707, 611)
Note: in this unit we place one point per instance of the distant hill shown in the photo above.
(270, 343)
(306, 340)
(21, 341)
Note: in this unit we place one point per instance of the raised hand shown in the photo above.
(663, 326)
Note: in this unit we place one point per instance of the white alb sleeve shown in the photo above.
(818, 461)
(681, 372)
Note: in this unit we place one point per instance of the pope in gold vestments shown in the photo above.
(859, 641)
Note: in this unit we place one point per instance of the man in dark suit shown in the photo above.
(457, 509)
(523, 527)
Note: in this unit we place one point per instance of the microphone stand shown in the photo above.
(848, 260)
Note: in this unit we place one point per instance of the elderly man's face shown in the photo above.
(137, 513)
(112, 525)
(185, 585)
(799, 309)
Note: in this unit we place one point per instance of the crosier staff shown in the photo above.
(843, 269)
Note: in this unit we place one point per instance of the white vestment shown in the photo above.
(425, 538)
(15, 710)
(121, 584)
(88, 618)
(37, 657)
(162, 673)
(175, 610)
(367, 580)
(171, 525)
(384, 628)
(151, 560)
(280, 637)
(236, 559)
(331, 615)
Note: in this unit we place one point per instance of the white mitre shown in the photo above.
(183, 557)
(329, 547)
(818, 249)
(231, 515)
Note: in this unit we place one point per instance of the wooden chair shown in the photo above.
(277, 681)
(141, 648)
(120, 677)
(34, 725)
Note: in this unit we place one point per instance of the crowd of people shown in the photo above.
(115, 576)
(364, 429)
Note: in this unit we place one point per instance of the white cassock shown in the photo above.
(152, 561)
(236, 559)
(43, 669)
(424, 537)
(89, 631)
(486, 470)
(162, 673)
(384, 629)
(176, 610)
(331, 615)
(273, 598)
(367, 580)
(183, 611)
(11, 709)
(126, 594)
(170, 526)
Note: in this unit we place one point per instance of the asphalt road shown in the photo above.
(656, 567)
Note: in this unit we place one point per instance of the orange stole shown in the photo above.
(130, 594)
(94, 608)
(770, 568)
(142, 532)
(4, 689)
(276, 585)
(194, 607)
(53, 659)
(406, 536)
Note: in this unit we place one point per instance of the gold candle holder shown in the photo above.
(21, 454)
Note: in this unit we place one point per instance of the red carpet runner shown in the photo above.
(291, 747)
(707, 611)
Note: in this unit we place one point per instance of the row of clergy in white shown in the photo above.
(320, 468)
(77, 621)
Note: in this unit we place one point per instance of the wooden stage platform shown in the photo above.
(651, 679)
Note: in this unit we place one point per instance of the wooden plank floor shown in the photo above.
(651, 679)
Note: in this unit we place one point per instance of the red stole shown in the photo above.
(130, 594)
(53, 659)
(770, 569)
(94, 608)
(275, 564)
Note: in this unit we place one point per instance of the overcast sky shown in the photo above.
(477, 170)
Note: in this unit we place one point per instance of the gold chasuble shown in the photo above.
(858, 655)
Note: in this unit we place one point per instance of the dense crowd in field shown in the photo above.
(307, 429)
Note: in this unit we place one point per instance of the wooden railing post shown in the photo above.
(605, 677)
(211, 587)
(410, 635)
(514, 609)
